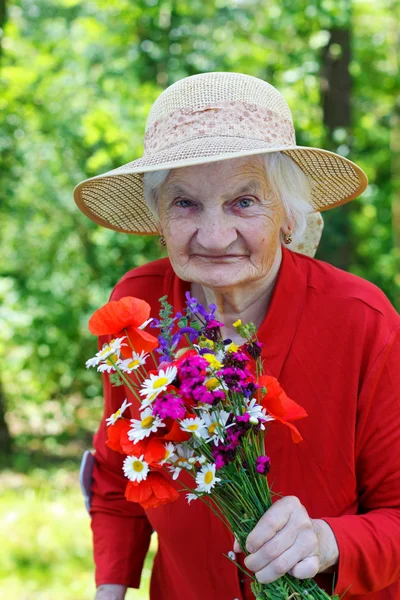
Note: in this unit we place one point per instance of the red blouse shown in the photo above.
(333, 341)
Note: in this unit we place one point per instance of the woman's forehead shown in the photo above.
(240, 175)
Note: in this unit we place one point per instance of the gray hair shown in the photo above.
(286, 180)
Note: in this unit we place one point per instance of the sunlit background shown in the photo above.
(77, 80)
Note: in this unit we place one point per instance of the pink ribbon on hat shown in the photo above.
(230, 118)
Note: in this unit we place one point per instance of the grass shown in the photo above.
(46, 550)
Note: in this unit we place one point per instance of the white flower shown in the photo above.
(144, 325)
(156, 384)
(216, 425)
(180, 460)
(135, 469)
(169, 453)
(143, 427)
(118, 414)
(133, 363)
(108, 366)
(196, 426)
(109, 351)
(256, 411)
(190, 497)
(206, 478)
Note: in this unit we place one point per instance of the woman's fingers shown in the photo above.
(284, 540)
(287, 562)
(275, 547)
(308, 567)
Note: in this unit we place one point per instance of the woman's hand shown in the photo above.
(110, 591)
(286, 540)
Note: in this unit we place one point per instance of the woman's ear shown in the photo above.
(287, 227)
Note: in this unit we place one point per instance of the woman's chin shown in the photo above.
(221, 276)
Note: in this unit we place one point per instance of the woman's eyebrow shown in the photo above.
(249, 186)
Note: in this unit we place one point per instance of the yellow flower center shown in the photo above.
(160, 383)
(147, 422)
(208, 477)
(133, 364)
(117, 413)
(137, 466)
(212, 428)
(193, 427)
(212, 383)
(104, 351)
(111, 360)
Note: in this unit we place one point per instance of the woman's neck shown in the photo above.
(248, 302)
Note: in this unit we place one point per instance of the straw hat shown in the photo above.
(211, 117)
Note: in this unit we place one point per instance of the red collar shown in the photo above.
(284, 312)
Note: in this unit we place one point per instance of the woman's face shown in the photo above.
(221, 222)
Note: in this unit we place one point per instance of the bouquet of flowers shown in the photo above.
(204, 408)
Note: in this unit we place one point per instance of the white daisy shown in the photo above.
(133, 363)
(190, 497)
(206, 478)
(169, 453)
(216, 425)
(156, 384)
(108, 366)
(143, 427)
(135, 469)
(195, 426)
(111, 350)
(180, 460)
(256, 411)
(118, 414)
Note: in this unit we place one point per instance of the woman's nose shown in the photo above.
(216, 232)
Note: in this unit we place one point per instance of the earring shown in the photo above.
(162, 240)
(287, 238)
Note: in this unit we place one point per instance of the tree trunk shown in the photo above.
(5, 437)
(336, 244)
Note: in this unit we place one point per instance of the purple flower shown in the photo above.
(254, 349)
(169, 406)
(236, 359)
(219, 462)
(243, 418)
(263, 464)
(234, 377)
(190, 385)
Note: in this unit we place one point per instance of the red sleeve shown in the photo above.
(121, 531)
(369, 543)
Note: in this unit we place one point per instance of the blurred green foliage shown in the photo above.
(46, 539)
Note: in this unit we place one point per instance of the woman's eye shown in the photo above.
(184, 203)
(245, 202)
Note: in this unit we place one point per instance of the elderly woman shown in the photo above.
(229, 190)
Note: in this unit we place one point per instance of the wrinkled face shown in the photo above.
(221, 222)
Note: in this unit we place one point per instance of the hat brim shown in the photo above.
(115, 199)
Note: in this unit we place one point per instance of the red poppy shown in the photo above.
(116, 433)
(124, 317)
(154, 491)
(152, 448)
(280, 406)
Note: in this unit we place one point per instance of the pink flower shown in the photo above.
(169, 406)
(263, 465)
